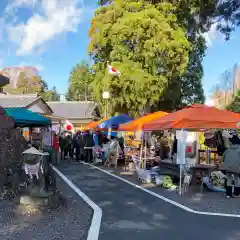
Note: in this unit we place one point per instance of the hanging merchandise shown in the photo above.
(181, 146)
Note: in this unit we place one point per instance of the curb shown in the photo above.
(176, 204)
(94, 230)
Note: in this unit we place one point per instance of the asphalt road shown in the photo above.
(129, 213)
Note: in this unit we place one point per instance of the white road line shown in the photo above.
(94, 230)
(176, 204)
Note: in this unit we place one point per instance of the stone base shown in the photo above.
(33, 201)
(53, 200)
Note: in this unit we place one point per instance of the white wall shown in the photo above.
(39, 107)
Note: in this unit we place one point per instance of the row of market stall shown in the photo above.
(187, 126)
(197, 116)
(177, 152)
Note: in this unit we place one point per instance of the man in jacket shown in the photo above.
(88, 146)
(79, 146)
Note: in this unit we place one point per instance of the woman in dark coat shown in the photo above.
(88, 146)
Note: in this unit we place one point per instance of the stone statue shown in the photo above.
(41, 179)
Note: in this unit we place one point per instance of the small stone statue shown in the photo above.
(42, 183)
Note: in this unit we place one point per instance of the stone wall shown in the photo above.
(12, 144)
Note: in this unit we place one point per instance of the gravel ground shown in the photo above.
(70, 222)
(204, 202)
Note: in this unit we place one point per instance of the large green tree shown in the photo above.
(196, 17)
(147, 45)
(80, 83)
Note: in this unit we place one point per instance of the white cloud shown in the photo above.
(58, 17)
(211, 34)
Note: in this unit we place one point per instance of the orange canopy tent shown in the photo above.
(197, 116)
(137, 124)
(93, 124)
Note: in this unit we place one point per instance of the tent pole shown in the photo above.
(180, 181)
(141, 150)
(145, 153)
(181, 158)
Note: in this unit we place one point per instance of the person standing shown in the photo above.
(69, 149)
(88, 146)
(114, 151)
(78, 146)
(81, 146)
(231, 166)
(55, 149)
(63, 145)
(75, 145)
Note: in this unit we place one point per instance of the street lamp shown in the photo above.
(106, 96)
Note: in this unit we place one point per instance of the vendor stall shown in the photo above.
(137, 125)
(114, 122)
(196, 118)
(25, 118)
(93, 124)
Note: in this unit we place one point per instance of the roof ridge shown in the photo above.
(71, 102)
(18, 96)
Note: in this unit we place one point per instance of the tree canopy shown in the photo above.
(80, 83)
(197, 17)
(146, 44)
(202, 14)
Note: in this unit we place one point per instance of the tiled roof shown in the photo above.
(17, 101)
(73, 110)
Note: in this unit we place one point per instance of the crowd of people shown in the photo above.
(81, 145)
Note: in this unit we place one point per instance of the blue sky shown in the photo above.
(53, 36)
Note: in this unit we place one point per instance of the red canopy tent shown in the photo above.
(197, 116)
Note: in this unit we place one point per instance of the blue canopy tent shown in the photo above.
(114, 122)
(25, 118)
